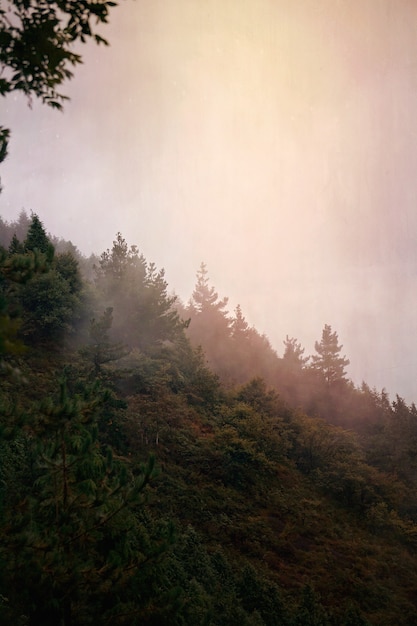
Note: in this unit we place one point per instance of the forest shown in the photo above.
(162, 464)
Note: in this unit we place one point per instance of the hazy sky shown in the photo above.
(276, 140)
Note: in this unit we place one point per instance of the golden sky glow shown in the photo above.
(273, 139)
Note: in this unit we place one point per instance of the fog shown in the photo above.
(275, 140)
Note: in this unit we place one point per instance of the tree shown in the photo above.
(205, 297)
(327, 361)
(42, 290)
(293, 355)
(17, 267)
(210, 324)
(74, 551)
(239, 326)
(100, 349)
(18, 227)
(37, 239)
(37, 40)
(144, 314)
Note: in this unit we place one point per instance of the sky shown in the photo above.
(275, 140)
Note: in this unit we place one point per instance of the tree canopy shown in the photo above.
(259, 511)
(327, 361)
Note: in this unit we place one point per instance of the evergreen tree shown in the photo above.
(73, 552)
(294, 358)
(18, 227)
(239, 326)
(205, 297)
(37, 239)
(327, 361)
(311, 612)
(101, 349)
(144, 314)
(15, 246)
(210, 324)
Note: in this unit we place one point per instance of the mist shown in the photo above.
(273, 140)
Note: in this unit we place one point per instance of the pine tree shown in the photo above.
(294, 357)
(206, 297)
(101, 349)
(239, 326)
(15, 246)
(37, 239)
(327, 361)
(73, 550)
(144, 313)
(210, 324)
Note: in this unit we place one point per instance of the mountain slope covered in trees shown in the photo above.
(160, 464)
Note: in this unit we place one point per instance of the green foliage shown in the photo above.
(78, 533)
(144, 314)
(100, 349)
(37, 40)
(310, 611)
(48, 307)
(37, 239)
(41, 293)
(299, 522)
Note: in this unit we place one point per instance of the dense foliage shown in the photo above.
(161, 464)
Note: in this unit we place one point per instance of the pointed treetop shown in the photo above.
(206, 297)
(37, 239)
(327, 361)
(240, 327)
(16, 247)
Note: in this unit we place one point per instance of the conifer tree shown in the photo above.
(239, 326)
(37, 239)
(294, 357)
(205, 297)
(327, 361)
(101, 349)
(72, 551)
(144, 313)
(15, 247)
(210, 324)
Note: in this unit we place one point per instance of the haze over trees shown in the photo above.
(151, 473)
(161, 464)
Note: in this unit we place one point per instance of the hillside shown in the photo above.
(160, 464)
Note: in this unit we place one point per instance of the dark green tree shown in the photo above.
(101, 349)
(328, 362)
(37, 239)
(41, 294)
(16, 269)
(15, 246)
(310, 611)
(49, 308)
(72, 552)
(144, 314)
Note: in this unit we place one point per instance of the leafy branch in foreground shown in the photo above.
(37, 39)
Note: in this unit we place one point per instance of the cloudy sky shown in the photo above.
(275, 140)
